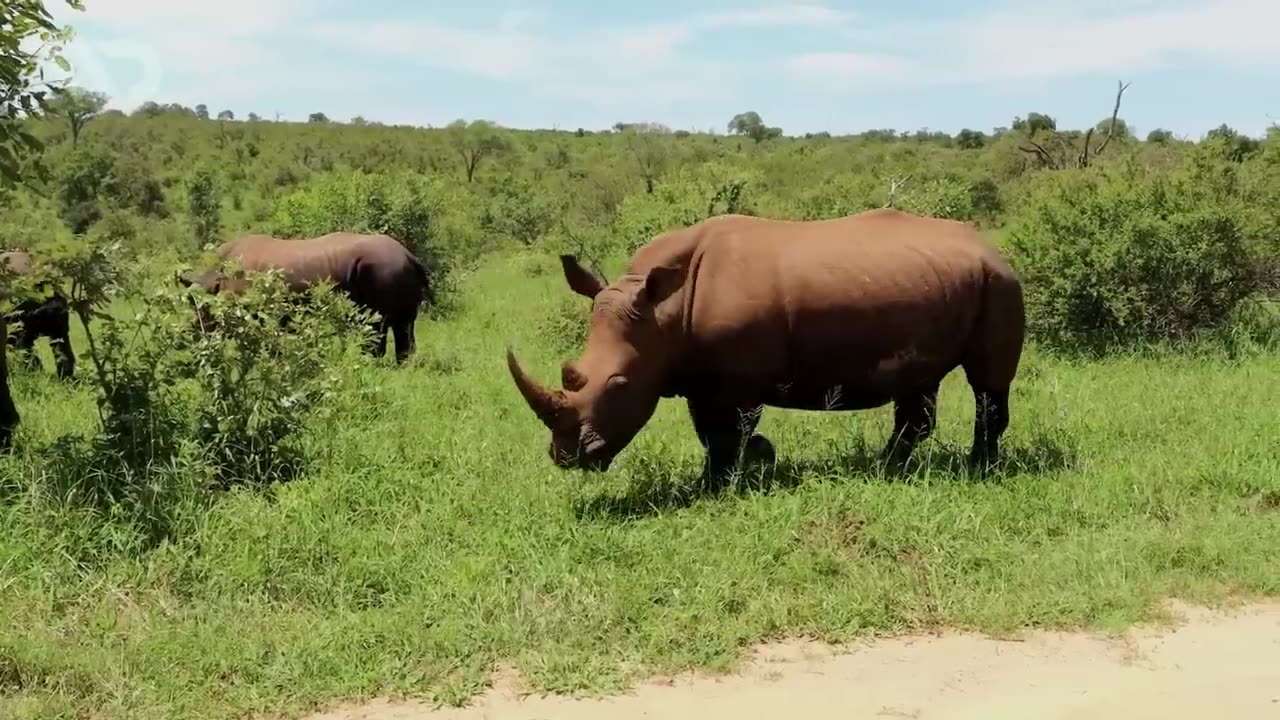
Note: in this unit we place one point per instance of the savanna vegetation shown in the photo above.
(212, 524)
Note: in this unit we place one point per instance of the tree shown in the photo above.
(317, 117)
(1159, 136)
(22, 85)
(1064, 153)
(204, 206)
(202, 111)
(254, 117)
(474, 142)
(1035, 123)
(750, 124)
(648, 145)
(78, 106)
(226, 115)
(968, 139)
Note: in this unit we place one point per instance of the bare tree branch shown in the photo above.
(1111, 127)
(895, 184)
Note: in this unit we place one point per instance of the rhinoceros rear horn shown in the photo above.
(545, 403)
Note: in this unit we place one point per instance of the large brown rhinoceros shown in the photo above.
(736, 312)
(49, 318)
(376, 272)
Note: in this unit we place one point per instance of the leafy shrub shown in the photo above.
(522, 211)
(845, 194)
(259, 385)
(942, 198)
(1124, 255)
(681, 200)
(182, 412)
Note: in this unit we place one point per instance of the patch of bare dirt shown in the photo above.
(1212, 665)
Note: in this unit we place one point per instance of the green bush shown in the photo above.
(689, 196)
(1125, 255)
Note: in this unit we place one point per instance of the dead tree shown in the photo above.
(1073, 158)
(896, 184)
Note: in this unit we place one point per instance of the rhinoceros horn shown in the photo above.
(545, 403)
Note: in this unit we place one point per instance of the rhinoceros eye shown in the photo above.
(571, 378)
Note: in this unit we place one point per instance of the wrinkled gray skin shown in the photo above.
(736, 313)
(34, 319)
(376, 272)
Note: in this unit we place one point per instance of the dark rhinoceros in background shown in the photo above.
(735, 313)
(48, 317)
(375, 271)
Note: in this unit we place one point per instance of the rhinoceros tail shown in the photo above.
(428, 289)
(995, 349)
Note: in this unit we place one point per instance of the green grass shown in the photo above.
(435, 539)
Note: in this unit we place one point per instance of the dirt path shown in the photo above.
(1214, 665)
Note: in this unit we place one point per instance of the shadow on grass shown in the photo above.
(654, 490)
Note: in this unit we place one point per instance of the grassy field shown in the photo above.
(435, 539)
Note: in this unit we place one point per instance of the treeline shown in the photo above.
(1120, 237)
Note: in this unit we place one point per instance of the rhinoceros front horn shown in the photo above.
(545, 403)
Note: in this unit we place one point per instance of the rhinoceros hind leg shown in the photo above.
(990, 421)
(914, 418)
(721, 428)
(405, 341)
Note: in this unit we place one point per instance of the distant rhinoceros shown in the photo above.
(736, 312)
(376, 272)
(49, 318)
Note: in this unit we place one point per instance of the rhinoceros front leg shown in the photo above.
(377, 346)
(721, 427)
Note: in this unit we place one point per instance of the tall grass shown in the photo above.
(432, 538)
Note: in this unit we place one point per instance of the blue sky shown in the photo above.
(804, 65)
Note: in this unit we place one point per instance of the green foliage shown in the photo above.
(23, 92)
(753, 126)
(77, 106)
(260, 386)
(691, 195)
(523, 211)
(204, 206)
(1127, 255)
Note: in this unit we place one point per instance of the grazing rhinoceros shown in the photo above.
(41, 318)
(375, 271)
(735, 313)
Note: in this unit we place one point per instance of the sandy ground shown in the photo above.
(1210, 666)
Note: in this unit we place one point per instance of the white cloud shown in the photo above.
(1026, 41)
(607, 65)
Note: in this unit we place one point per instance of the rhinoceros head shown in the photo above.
(610, 392)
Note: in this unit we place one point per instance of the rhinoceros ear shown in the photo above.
(660, 283)
(581, 280)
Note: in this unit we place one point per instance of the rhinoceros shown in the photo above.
(736, 313)
(376, 272)
(49, 318)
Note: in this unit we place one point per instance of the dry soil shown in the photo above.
(1210, 665)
